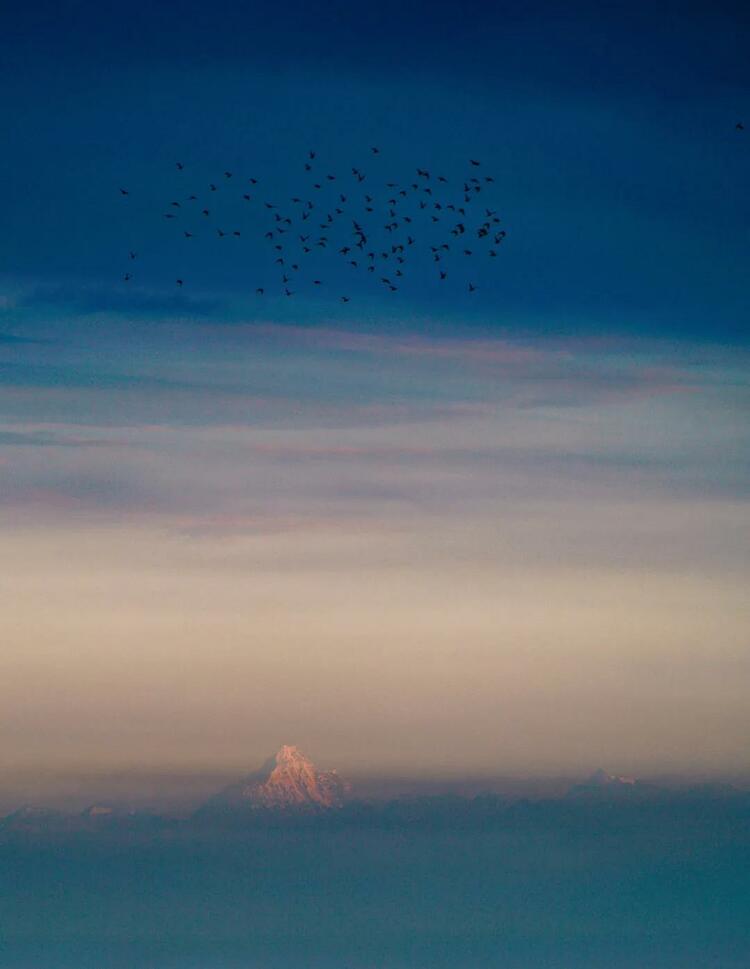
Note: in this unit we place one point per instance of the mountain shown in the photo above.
(604, 785)
(30, 818)
(289, 780)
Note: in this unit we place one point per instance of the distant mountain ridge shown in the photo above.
(289, 788)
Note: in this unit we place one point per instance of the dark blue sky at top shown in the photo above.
(610, 131)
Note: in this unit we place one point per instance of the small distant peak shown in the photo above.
(602, 783)
(602, 778)
(98, 811)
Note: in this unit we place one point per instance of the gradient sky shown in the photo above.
(428, 534)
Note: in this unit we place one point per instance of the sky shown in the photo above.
(426, 532)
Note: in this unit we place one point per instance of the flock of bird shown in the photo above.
(379, 230)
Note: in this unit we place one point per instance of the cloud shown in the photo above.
(122, 299)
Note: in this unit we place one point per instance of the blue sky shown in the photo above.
(181, 467)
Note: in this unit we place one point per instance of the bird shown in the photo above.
(132, 254)
(227, 174)
(179, 282)
(124, 191)
(375, 151)
(344, 299)
(259, 291)
(179, 165)
(472, 288)
(474, 162)
(127, 277)
(740, 126)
